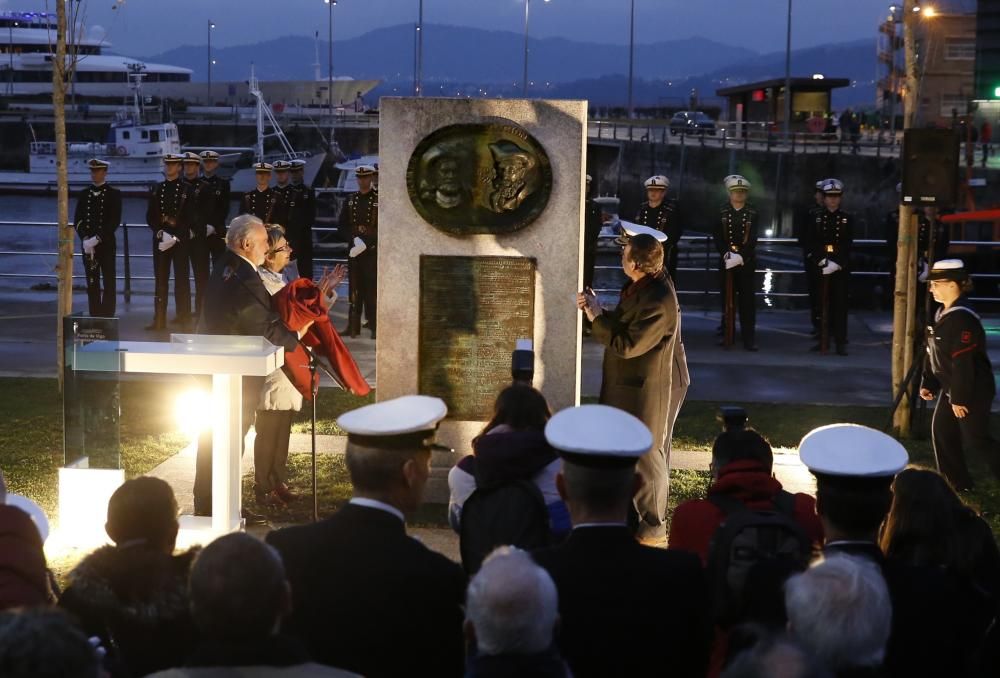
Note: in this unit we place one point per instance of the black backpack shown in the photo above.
(751, 554)
(513, 513)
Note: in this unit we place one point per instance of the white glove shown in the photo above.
(829, 266)
(359, 247)
(732, 260)
(90, 244)
(922, 270)
(209, 229)
(191, 234)
(167, 241)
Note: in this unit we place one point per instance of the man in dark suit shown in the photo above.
(854, 467)
(365, 596)
(236, 302)
(639, 337)
(214, 205)
(626, 609)
(301, 218)
(165, 216)
(97, 217)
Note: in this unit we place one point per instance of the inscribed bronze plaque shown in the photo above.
(479, 178)
(472, 312)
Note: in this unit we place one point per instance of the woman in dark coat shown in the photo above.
(959, 374)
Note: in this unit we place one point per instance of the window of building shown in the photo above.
(960, 49)
(954, 102)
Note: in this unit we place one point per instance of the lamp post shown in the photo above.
(418, 84)
(527, 8)
(10, 52)
(631, 56)
(788, 74)
(208, 99)
(329, 65)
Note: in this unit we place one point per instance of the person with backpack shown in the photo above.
(626, 609)
(511, 449)
(741, 471)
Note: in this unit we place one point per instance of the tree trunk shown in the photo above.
(64, 267)
(904, 300)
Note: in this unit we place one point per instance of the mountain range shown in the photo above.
(461, 60)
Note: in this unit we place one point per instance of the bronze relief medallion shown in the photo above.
(479, 178)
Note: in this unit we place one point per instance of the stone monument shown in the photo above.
(480, 244)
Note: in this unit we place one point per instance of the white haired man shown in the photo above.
(511, 611)
(236, 302)
(839, 609)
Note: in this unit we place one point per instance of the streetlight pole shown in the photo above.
(524, 82)
(329, 67)
(208, 98)
(631, 57)
(10, 52)
(788, 74)
(419, 85)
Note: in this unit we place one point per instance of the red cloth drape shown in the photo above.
(297, 303)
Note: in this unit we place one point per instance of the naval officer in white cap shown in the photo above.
(367, 597)
(641, 360)
(661, 213)
(625, 608)
(959, 374)
(854, 467)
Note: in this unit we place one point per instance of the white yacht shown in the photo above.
(26, 59)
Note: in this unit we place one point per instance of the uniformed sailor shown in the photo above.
(214, 204)
(96, 218)
(832, 239)
(165, 218)
(282, 189)
(959, 374)
(359, 220)
(194, 218)
(260, 201)
(661, 213)
(736, 242)
(301, 218)
(806, 224)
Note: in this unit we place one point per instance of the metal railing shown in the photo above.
(697, 249)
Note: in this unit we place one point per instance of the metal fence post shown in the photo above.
(127, 265)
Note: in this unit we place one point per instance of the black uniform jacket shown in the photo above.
(214, 207)
(98, 212)
(627, 609)
(368, 598)
(639, 338)
(957, 362)
(666, 218)
(266, 205)
(236, 302)
(832, 237)
(737, 232)
(166, 209)
(359, 218)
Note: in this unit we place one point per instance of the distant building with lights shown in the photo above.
(762, 104)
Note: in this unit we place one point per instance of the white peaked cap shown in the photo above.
(598, 433)
(407, 414)
(852, 450)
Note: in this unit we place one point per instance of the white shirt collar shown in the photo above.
(253, 265)
(380, 505)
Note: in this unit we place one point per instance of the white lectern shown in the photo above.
(227, 359)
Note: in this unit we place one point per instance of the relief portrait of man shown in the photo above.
(445, 176)
(515, 176)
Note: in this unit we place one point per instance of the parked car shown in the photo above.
(691, 122)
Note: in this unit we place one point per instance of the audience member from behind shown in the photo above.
(511, 447)
(24, 576)
(854, 467)
(930, 526)
(626, 609)
(511, 611)
(741, 469)
(365, 596)
(839, 610)
(776, 657)
(239, 596)
(44, 643)
(133, 595)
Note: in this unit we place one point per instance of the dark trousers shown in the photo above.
(743, 278)
(671, 257)
(200, 258)
(99, 269)
(203, 462)
(812, 287)
(270, 448)
(176, 256)
(364, 290)
(833, 299)
(303, 251)
(953, 437)
(216, 246)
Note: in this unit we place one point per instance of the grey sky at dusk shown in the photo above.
(146, 27)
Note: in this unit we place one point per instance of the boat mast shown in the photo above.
(135, 78)
(264, 111)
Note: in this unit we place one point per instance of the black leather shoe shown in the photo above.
(815, 349)
(751, 347)
(252, 518)
(841, 350)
